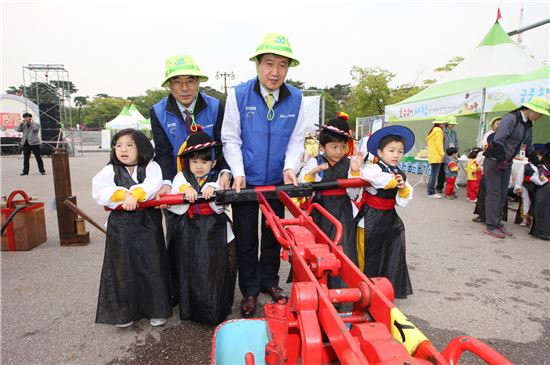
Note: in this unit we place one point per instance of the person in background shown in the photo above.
(494, 125)
(541, 203)
(480, 204)
(514, 134)
(525, 185)
(473, 175)
(451, 138)
(263, 134)
(451, 172)
(436, 153)
(30, 141)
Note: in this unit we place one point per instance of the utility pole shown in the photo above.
(225, 75)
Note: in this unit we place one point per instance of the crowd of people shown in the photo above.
(489, 169)
(255, 139)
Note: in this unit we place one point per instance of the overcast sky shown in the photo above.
(119, 47)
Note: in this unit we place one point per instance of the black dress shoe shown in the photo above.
(275, 293)
(23, 173)
(248, 306)
(42, 172)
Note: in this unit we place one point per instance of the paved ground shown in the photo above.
(464, 283)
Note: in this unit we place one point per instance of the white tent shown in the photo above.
(123, 120)
(129, 118)
(496, 61)
(497, 76)
(135, 113)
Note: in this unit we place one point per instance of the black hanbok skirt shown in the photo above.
(541, 212)
(205, 268)
(385, 252)
(134, 278)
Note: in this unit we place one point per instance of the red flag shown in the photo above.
(498, 15)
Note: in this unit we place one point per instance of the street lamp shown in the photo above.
(225, 75)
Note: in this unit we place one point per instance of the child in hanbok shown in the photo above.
(205, 262)
(384, 232)
(541, 202)
(134, 279)
(331, 164)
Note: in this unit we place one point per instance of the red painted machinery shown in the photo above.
(307, 328)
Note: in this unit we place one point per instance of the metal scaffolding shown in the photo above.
(37, 74)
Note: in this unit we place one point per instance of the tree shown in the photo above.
(453, 62)
(151, 97)
(339, 92)
(102, 95)
(372, 92)
(81, 100)
(37, 92)
(297, 84)
(214, 93)
(101, 110)
(404, 91)
(331, 107)
(43, 92)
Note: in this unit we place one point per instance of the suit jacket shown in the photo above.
(30, 133)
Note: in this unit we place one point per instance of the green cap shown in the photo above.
(539, 105)
(440, 119)
(182, 65)
(451, 120)
(277, 44)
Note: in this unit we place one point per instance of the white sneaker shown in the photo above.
(434, 196)
(155, 322)
(125, 325)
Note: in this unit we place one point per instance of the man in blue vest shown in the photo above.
(181, 113)
(263, 134)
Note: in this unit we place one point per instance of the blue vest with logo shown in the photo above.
(175, 127)
(264, 143)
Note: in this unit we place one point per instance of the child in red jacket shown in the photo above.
(451, 172)
(473, 173)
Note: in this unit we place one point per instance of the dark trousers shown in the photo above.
(437, 168)
(441, 178)
(496, 195)
(254, 273)
(35, 149)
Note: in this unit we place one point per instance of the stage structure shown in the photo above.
(55, 112)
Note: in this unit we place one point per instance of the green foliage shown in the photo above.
(339, 92)
(80, 101)
(372, 92)
(152, 96)
(403, 92)
(453, 62)
(331, 107)
(101, 110)
(214, 93)
(37, 92)
(297, 84)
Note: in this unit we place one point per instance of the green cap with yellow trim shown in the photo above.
(539, 105)
(182, 65)
(277, 44)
